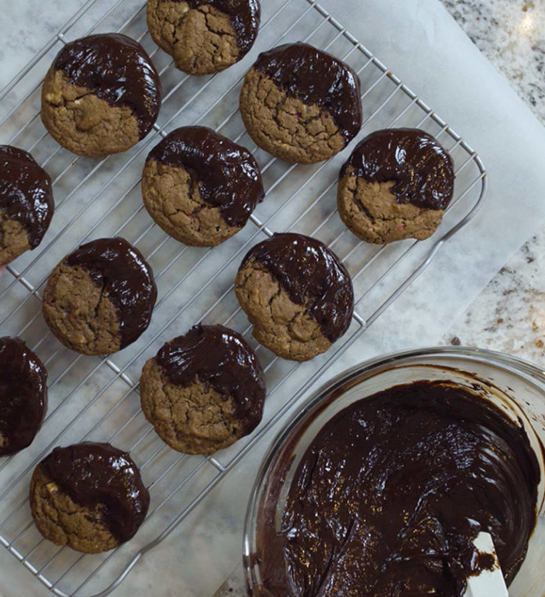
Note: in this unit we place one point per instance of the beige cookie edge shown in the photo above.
(159, 398)
(105, 338)
(83, 123)
(370, 211)
(257, 115)
(286, 329)
(55, 513)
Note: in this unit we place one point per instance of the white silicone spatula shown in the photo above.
(489, 583)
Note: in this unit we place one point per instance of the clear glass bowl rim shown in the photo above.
(313, 403)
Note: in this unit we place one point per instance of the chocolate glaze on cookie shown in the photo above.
(23, 395)
(318, 78)
(227, 174)
(116, 69)
(128, 279)
(95, 474)
(416, 471)
(421, 169)
(245, 16)
(309, 272)
(25, 192)
(219, 356)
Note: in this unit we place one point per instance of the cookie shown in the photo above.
(200, 187)
(204, 36)
(203, 391)
(23, 395)
(101, 95)
(88, 496)
(301, 104)
(26, 203)
(99, 299)
(297, 295)
(396, 184)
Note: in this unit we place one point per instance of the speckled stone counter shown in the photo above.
(511, 33)
(509, 315)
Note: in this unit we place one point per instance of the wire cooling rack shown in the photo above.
(97, 399)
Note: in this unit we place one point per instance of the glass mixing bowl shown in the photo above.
(515, 386)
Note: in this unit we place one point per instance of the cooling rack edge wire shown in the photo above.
(478, 186)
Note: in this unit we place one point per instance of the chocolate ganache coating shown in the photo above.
(23, 395)
(421, 169)
(123, 272)
(221, 357)
(245, 16)
(25, 192)
(317, 78)
(311, 274)
(116, 69)
(227, 173)
(390, 495)
(95, 474)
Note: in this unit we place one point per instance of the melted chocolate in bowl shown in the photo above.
(391, 492)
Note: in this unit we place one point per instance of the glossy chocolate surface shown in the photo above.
(245, 16)
(96, 474)
(221, 357)
(23, 395)
(228, 174)
(25, 192)
(317, 78)
(116, 69)
(421, 169)
(390, 495)
(126, 278)
(311, 274)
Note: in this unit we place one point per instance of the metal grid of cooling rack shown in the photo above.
(97, 398)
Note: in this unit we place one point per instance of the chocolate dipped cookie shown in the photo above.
(204, 390)
(301, 104)
(99, 299)
(26, 203)
(396, 184)
(297, 295)
(89, 496)
(101, 95)
(200, 187)
(23, 395)
(204, 36)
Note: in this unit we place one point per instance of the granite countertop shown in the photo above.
(508, 316)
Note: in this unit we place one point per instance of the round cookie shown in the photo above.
(26, 203)
(203, 391)
(101, 95)
(23, 395)
(204, 36)
(301, 104)
(200, 187)
(89, 496)
(396, 184)
(297, 295)
(99, 299)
